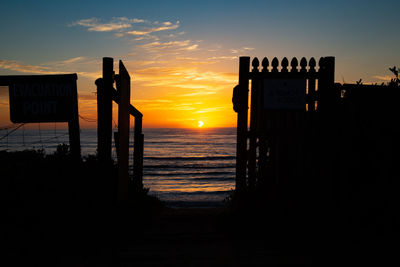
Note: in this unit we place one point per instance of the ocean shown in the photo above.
(182, 167)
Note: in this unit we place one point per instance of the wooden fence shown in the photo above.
(335, 145)
(279, 121)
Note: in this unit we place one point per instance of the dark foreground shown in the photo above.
(191, 237)
(201, 237)
(182, 237)
(58, 212)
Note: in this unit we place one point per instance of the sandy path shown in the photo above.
(197, 237)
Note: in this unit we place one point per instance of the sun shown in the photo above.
(200, 124)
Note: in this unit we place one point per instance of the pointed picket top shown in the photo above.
(321, 63)
(275, 64)
(285, 64)
(312, 65)
(255, 63)
(265, 64)
(293, 64)
(303, 65)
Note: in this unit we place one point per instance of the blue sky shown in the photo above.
(356, 32)
(199, 40)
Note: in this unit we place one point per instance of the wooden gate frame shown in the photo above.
(105, 95)
(325, 95)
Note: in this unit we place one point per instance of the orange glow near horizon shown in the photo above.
(168, 97)
(171, 92)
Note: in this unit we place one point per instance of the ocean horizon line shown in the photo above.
(50, 126)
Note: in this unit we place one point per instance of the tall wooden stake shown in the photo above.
(124, 92)
(252, 155)
(241, 145)
(104, 111)
(138, 155)
(73, 127)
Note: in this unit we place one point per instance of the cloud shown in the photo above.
(152, 100)
(192, 47)
(170, 46)
(385, 78)
(198, 93)
(182, 77)
(59, 67)
(66, 62)
(166, 26)
(72, 60)
(160, 45)
(223, 58)
(125, 26)
(207, 110)
(241, 50)
(134, 20)
(146, 37)
(94, 24)
(25, 68)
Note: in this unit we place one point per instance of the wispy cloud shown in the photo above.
(241, 50)
(57, 67)
(95, 25)
(133, 20)
(143, 37)
(385, 78)
(25, 68)
(67, 62)
(223, 58)
(126, 26)
(153, 101)
(199, 93)
(170, 46)
(72, 60)
(164, 27)
(213, 109)
(161, 45)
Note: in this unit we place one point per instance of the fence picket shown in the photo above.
(303, 65)
(265, 64)
(275, 64)
(293, 64)
(284, 64)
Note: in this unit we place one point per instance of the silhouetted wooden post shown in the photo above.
(254, 107)
(276, 131)
(73, 127)
(138, 154)
(124, 93)
(327, 94)
(104, 111)
(328, 140)
(241, 145)
(263, 127)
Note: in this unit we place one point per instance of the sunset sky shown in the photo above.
(183, 55)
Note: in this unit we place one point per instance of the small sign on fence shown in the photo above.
(285, 94)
